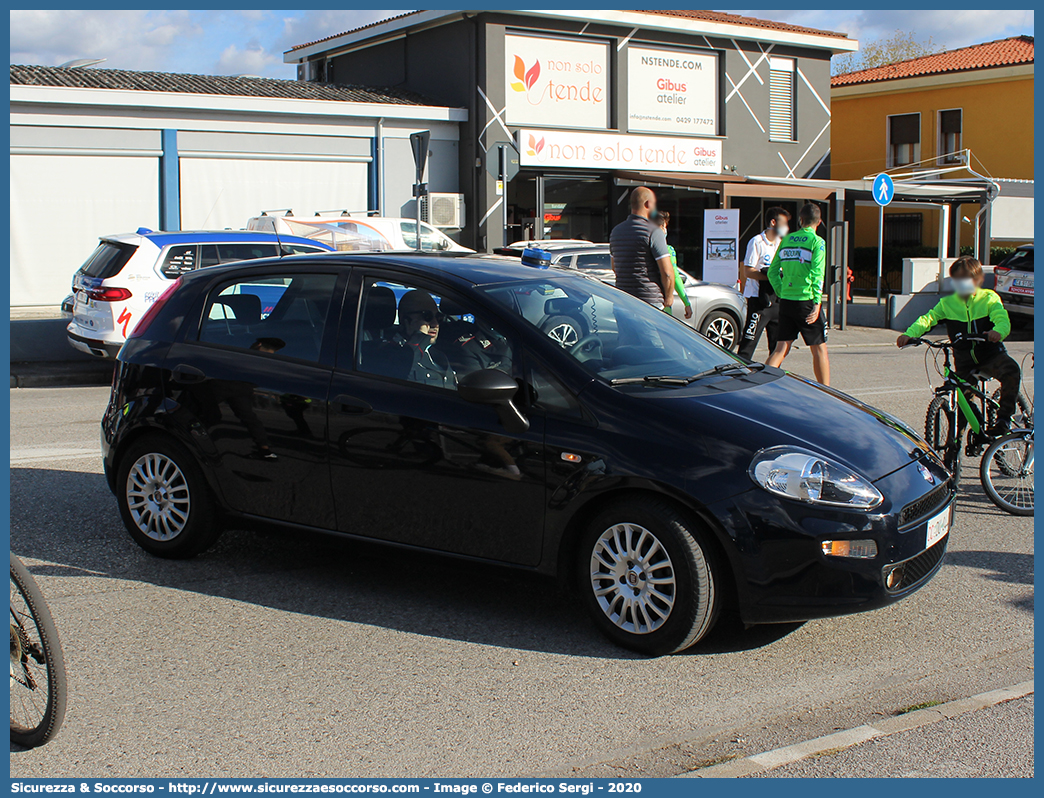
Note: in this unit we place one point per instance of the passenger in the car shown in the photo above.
(410, 354)
(470, 346)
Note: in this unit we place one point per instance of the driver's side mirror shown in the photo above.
(494, 387)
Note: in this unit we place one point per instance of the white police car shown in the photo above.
(129, 271)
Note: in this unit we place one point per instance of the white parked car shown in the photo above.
(128, 272)
(373, 233)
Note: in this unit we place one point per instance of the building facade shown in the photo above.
(97, 151)
(922, 114)
(569, 110)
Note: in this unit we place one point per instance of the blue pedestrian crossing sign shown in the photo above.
(884, 189)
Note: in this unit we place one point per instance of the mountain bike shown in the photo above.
(38, 688)
(1006, 472)
(960, 405)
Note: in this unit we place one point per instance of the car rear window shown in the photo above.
(108, 259)
(1021, 260)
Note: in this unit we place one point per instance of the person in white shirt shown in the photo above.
(762, 308)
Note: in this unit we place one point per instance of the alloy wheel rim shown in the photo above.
(158, 497)
(564, 335)
(720, 331)
(633, 578)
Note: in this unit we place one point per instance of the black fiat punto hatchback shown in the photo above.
(419, 400)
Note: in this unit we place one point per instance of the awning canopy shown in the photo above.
(937, 192)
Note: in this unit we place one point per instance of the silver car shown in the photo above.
(718, 310)
(1014, 276)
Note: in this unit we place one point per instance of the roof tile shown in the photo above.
(22, 75)
(709, 16)
(1003, 52)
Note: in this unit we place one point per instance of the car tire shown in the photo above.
(164, 499)
(721, 328)
(563, 330)
(666, 545)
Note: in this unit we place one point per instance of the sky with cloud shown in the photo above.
(253, 42)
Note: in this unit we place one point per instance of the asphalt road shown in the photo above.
(304, 656)
(996, 742)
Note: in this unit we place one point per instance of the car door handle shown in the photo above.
(188, 374)
(349, 404)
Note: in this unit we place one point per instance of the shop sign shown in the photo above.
(721, 246)
(557, 82)
(571, 149)
(672, 91)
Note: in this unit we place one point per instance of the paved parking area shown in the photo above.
(297, 655)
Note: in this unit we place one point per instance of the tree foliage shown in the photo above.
(901, 46)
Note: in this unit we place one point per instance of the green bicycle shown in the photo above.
(958, 406)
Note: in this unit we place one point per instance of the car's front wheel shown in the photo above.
(721, 328)
(647, 577)
(164, 500)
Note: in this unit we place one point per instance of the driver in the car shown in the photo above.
(412, 349)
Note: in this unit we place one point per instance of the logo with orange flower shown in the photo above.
(526, 78)
(534, 147)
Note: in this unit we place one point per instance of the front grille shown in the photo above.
(924, 506)
(917, 569)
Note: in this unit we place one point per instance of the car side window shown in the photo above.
(270, 315)
(234, 252)
(302, 249)
(593, 260)
(179, 259)
(409, 333)
(208, 256)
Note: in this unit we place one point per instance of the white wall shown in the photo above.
(224, 192)
(61, 204)
(1011, 218)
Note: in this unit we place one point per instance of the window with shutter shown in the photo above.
(781, 100)
(904, 139)
(950, 136)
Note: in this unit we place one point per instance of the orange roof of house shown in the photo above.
(709, 16)
(1003, 52)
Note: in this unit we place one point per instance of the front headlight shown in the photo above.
(799, 474)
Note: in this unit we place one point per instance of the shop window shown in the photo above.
(903, 229)
(904, 139)
(950, 136)
(782, 100)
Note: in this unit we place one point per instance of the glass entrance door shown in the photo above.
(576, 207)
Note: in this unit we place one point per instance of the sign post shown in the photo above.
(419, 142)
(883, 191)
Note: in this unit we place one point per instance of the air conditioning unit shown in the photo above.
(443, 210)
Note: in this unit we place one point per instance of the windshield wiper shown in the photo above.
(721, 368)
(725, 368)
(662, 380)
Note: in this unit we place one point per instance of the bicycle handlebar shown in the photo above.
(944, 344)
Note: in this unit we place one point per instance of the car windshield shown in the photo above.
(613, 335)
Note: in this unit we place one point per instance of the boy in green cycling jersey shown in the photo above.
(974, 310)
(679, 281)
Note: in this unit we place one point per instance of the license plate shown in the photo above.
(1022, 283)
(937, 528)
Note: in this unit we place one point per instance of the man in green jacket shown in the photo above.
(796, 275)
(976, 311)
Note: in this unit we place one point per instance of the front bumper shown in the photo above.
(783, 575)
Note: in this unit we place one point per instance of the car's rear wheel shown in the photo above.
(721, 328)
(164, 499)
(647, 577)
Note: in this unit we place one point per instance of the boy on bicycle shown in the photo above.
(974, 310)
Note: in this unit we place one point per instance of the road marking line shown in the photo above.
(769, 760)
(41, 454)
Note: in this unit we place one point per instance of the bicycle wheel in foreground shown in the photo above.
(1006, 473)
(38, 687)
